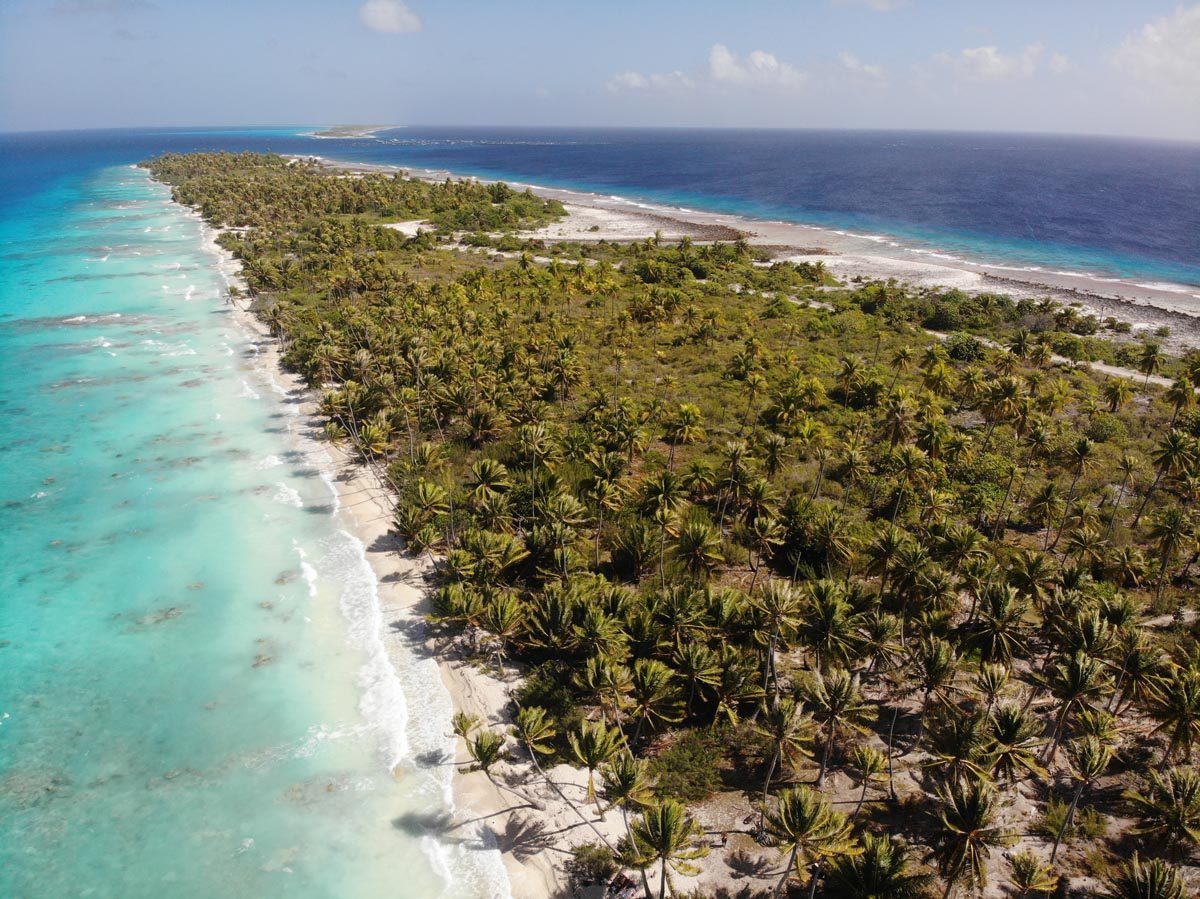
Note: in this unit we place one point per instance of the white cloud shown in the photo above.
(760, 69)
(877, 5)
(390, 16)
(852, 63)
(989, 64)
(661, 81)
(1166, 51)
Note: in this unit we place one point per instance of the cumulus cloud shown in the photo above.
(852, 63)
(758, 69)
(1165, 52)
(388, 16)
(990, 64)
(636, 81)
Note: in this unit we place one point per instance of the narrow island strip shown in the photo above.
(746, 581)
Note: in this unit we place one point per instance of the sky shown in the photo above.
(1127, 67)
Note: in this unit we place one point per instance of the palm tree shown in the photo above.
(777, 609)
(967, 833)
(628, 785)
(654, 697)
(534, 730)
(1081, 455)
(998, 632)
(1075, 682)
(665, 834)
(697, 665)
(685, 428)
(1150, 361)
(786, 726)
(1169, 812)
(809, 831)
(1089, 759)
(697, 546)
(866, 765)
(593, 745)
(837, 702)
(1175, 704)
(1153, 879)
(1175, 453)
(1117, 393)
(827, 623)
(1029, 875)
(1169, 532)
(882, 871)
(1014, 736)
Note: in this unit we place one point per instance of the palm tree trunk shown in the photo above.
(662, 880)
(1146, 499)
(787, 872)
(1112, 520)
(1062, 831)
(767, 786)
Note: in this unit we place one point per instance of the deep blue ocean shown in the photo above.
(195, 698)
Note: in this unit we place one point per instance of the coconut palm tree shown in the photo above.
(809, 832)
(837, 702)
(788, 728)
(697, 547)
(866, 765)
(1173, 455)
(1151, 879)
(654, 698)
(628, 785)
(1028, 875)
(967, 833)
(1089, 760)
(1174, 702)
(666, 835)
(1169, 811)
(884, 870)
(1014, 737)
(593, 745)
(535, 730)
(1075, 683)
(1170, 531)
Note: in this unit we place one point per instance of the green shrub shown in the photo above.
(591, 863)
(688, 769)
(1104, 427)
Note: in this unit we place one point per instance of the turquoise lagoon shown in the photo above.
(195, 700)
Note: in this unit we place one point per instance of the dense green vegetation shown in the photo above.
(746, 532)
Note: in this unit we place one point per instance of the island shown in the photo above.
(746, 580)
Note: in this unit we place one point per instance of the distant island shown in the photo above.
(744, 578)
(347, 131)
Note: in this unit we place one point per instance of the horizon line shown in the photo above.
(731, 128)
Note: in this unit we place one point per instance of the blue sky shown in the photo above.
(1090, 66)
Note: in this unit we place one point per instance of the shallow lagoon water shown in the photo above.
(194, 698)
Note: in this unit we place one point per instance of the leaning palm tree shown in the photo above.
(809, 831)
(1089, 759)
(1153, 879)
(1175, 705)
(628, 785)
(882, 871)
(787, 727)
(534, 730)
(593, 745)
(667, 835)
(967, 833)
(1169, 812)
(867, 765)
(837, 702)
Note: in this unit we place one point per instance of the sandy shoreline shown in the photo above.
(481, 810)
(849, 255)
